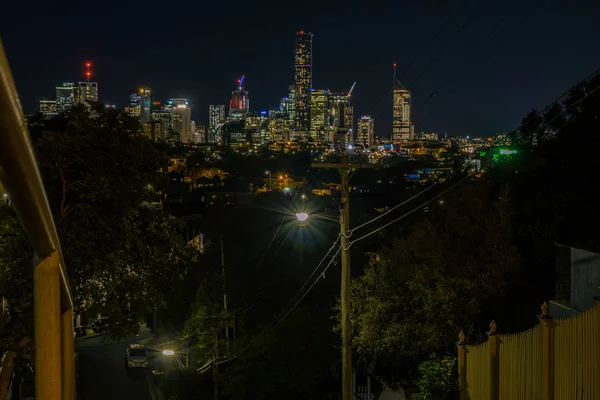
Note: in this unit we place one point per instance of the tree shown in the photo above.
(419, 292)
(16, 284)
(122, 256)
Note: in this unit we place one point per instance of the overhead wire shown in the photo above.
(452, 75)
(279, 319)
(392, 209)
(408, 213)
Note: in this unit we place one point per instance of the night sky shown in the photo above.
(494, 60)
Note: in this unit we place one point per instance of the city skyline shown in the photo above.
(486, 85)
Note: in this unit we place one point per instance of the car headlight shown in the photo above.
(130, 364)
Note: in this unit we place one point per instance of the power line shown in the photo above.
(392, 209)
(415, 59)
(443, 49)
(262, 258)
(310, 276)
(469, 55)
(278, 320)
(573, 105)
(548, 106)
(410, 212)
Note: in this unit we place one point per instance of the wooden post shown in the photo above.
(597, 327)
(462, 366)
(494, 348)
(47, 328)
(68, 355)
(547, 354)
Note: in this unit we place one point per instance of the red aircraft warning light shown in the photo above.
(88, 70)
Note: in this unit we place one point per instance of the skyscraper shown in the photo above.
(341, 116)
(134, 108)
(140, 105)
(319, 114)
(279, 125)
(366, 130)
(216, 117)
(48, 108)
(239, 105)
(65, 95)
(146, 105)
(303, 80)
(162, 114)
(402, 129)
(182, 119)
(292, 106)
(86, 92)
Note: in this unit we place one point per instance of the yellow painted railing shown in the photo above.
(559, 359)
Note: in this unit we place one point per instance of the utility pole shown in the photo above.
(224, 298)
(215, 364)
(344, 169)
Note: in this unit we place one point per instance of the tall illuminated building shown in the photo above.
(279, 125)
(182, 119)
(146, 105)
(239, 105)
(302, 80)
(86, 91)
(402, 129)
(292, 105)
(134, 107)
(163, 115)
(216, 117)
(341, 117)
(140, 105)
(366, 131)
(48, 108)
(65, 96)
(319, 114)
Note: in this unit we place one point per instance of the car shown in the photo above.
(101, 325)
(136, 356)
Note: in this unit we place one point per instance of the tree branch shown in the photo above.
(9, 363)
(63, 209)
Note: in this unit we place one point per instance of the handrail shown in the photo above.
(21, 178)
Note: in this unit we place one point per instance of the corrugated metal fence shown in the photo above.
(559, 359)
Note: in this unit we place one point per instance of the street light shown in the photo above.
(168, 352)
(268, 172)
(302, 216)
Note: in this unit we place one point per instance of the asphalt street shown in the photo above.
(102, 371)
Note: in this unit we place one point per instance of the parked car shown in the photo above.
(136, 356)
(101, 325)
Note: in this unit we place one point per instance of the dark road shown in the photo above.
(103, 374)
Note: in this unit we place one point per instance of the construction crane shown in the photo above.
(351, 89)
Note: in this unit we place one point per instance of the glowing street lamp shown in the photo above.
(168, 352)
(302, 216)
(268, 172)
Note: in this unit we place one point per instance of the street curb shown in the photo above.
(154, 391)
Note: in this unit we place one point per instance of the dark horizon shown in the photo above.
(493, 63)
